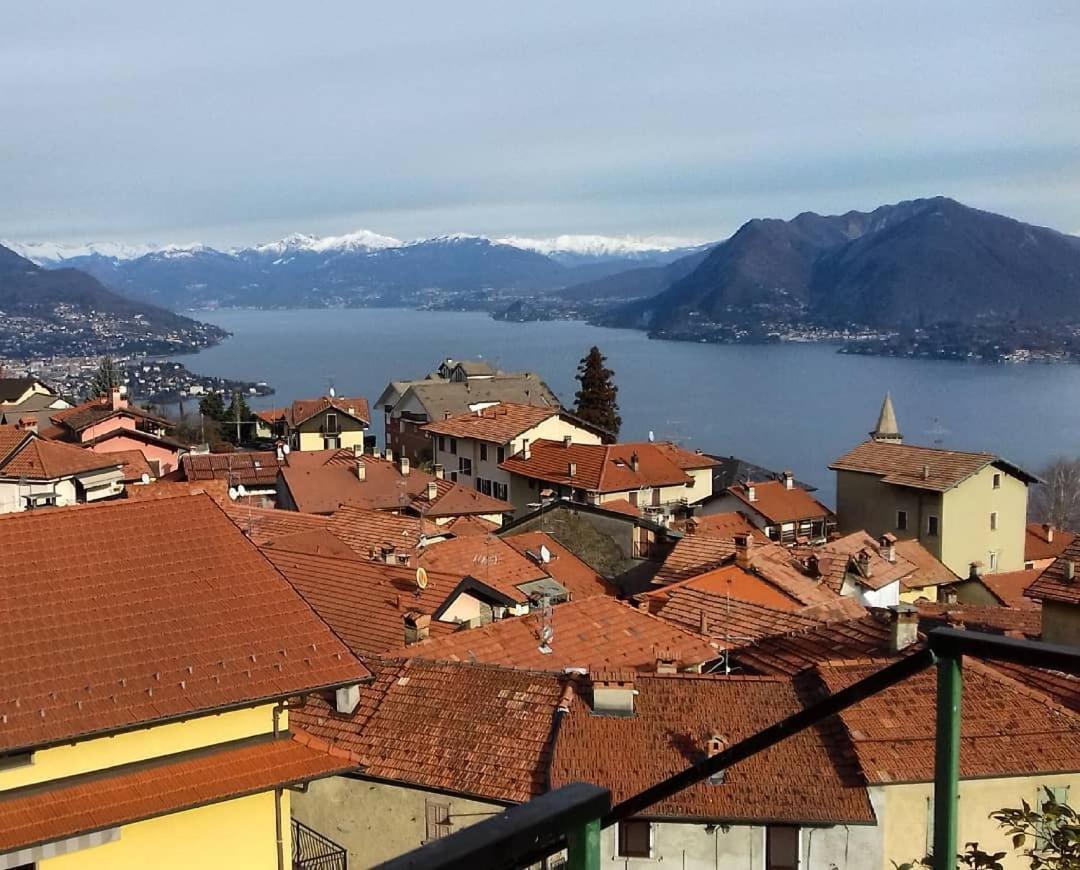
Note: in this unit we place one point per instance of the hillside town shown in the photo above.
(373, 623)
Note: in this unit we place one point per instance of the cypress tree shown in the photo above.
(596, 400)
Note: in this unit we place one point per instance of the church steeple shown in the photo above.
(886, 428)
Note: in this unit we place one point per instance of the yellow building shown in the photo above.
(967, 509)
(149, 656)
(325, 423)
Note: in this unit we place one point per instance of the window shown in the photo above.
(933, 527)
(635, 839)
(781, 848)
(500, 454)
(1061, 795)
(453, 477)
(331, 423)
(479, 481)
(465, 465)
(483, 452)
(442, 443)
(331, 443)
(997, 481)
(633, 497)
(901, 520)
(993, 560)
(437, 817)
(993, 521)
(499, 491)
(453, 446)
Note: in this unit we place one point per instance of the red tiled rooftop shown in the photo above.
(995, 620)
(1009, 587)
(366, 531)
(146, 611)
(250, 468)
(476, 730)
(498, 424)
(599, 467)
(39, 459)
(266, 524)
(928, 468)
(10, 438)
(1040, 541)
(489, 559)
(806, 779)
(1053, 584)
(573, 574)
(96, 410)
(778, 504)
(303, 410)
(730, 621)
(589, 633)
(929, 571)
(134, 465)
(119, 796)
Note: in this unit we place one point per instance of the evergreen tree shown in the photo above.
(596, 400)
(237, 418)
(105, 378)
(212, 407)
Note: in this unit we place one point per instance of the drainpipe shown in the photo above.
(278, 827)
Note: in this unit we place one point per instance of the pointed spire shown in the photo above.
(887, 428)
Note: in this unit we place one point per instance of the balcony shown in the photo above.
(312, 851)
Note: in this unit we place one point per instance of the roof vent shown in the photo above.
(361, 470)
(571, 469)
(789, 480)
(888, 547)
(439, 473)
(347, 698)
(926, 472)
(613, 693)
(1070, 571)
(635, 462)
(403, 465)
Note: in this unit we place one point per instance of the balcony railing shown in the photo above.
(312, 851)
(572, 817)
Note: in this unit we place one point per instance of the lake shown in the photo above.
(792, 406)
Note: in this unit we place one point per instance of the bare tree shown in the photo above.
(1057, 499)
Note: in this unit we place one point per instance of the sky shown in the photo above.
(234, 123)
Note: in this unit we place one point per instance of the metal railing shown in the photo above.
(312, 851)
(572, 817)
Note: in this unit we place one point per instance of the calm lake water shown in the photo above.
(784, 406)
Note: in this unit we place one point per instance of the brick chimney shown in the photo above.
(789, 480)
(635, 462)
(744, 545)
(417, 626)
(613, 692)
(667, 661)
(27, 424)
(403, 465)
(361, 470)
(438, 469)
(813, 566)
(888, 547)
(903, 627)
(432, 490)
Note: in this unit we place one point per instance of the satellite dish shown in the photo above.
(332, 393)
(652, 436)
(233, 493)
(241, 490)
(547, 634)
(545, 554)
(285, 449)
(145, 477)
(421, 578)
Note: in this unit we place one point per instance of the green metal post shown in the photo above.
(947, 761)
(583, 847)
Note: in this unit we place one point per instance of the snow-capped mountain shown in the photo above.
(600, 247)
(57, 252)
(361, 240)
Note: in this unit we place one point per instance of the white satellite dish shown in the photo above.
(233, 493)
(241, 490)
(421, 578)
(285, 449)
(145, 477)
(545, 554)
(652, 436)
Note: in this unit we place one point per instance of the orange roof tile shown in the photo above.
(839, 560)
(599, 467)
(806, 779)
(995, 620)
(498, 424)
(169, 487)
(1053, 584)
(134, 464)
(10, 438)
(731, 621)
(147, 611)
(130, 793)
(724, 525)
(1009, 587)
(1060, 687)
(621, 506)
(316, 542)
(929, 571)
(588, 633)
(1006, 729)
(267, 524)
(476, 730)
(1040, 542)
(573, 574)
(367, 531)
(460, 527)
(303, 410)
(777, 503)
(39, 459)
(97, 410)
(250, 468)
(489, 559)
(731, 581)
(927, 468)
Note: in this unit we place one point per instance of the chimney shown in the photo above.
(417, 626)
(432, 490)
(703, 628)
(667, 661)
(743, 545)
(975, 570)
(888, 547)
(346, 698)
(863, 558)
(926, 472)
(571, 469)
(716, 744)
(403, 465)
(116, 399)
(358, 450)
(903, 627)
(813, 567)
(566, 439)
(525, 452)
(1070, 571)
(635, 462)
(613, 693)
(27, 424)
(361, 470)
(1048, 532)
(789, 480)
(446, 415)
(388, 454)
(438, 471)
(751, 492)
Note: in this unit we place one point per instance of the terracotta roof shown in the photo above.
(1006, 729)
(587, 633)
(364, 602)
(97, 410)
(1052, 584)
(777, 503)
(573, 574)
(134, 464)
(857, 557)
(454, 500)
(693, 555)
(928, 570)
(790, 653)
(1060, 687)
(730, 581)
(272, 415)
(806, 779)
(124, 624)
(477, 730)
(316, 542)
(489, 559)
(1036, 545)
(10, 438)
(169, 487)
(242, 467)
(78, 805)
(137, 435)
(724, 525)
(1008, 587)
(621, 506)
(905, 464)
(680, 456)
(365, 531)
(729, 620)
(460, 527)
(496, 423)
(437, 396)
(39, 459)
(302, 410)
(995, 620)
(598, 467)
(266, 524)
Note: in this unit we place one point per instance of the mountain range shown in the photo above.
(358, 268)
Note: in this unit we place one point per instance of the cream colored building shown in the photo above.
(325, 423)
(965, 508)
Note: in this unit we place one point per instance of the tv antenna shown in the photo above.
(937, 432)
(547, 632)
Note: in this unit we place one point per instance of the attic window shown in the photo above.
(997, 481)
(635, 839)
(16, 760)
